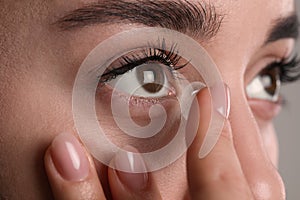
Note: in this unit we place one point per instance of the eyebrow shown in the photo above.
(196, 19)
(287, 27)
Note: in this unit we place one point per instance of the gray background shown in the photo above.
(288, 127)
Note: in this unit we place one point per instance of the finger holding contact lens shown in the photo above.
(138, 87)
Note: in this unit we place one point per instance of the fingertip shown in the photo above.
(129, 178)
(70, 170)
(218, 109)
(52, 173)
(208, 149)
(200, 114)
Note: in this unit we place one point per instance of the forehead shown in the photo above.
(241, 17)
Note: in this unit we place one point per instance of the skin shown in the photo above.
(38, 68)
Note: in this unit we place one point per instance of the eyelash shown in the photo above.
(289, 69)
(128, 63)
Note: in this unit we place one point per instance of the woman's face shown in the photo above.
(40, 58)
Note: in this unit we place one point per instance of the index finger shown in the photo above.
(219, 174)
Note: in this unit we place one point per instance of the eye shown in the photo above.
(148, 73)
(266, 85)
(149, 80)
(139, 91)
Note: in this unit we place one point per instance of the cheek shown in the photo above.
(138, 117)
(32, 112)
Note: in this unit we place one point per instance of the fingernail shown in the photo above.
(197, 87)
(131, 169)
(221, 91)
(69, 157)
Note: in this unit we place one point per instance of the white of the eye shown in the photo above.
(256, 89)
(129, 84)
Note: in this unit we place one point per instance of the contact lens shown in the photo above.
(137, 88)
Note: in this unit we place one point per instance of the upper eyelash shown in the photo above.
(289, 70)
(169, 58)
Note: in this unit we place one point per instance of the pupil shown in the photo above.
(151, 77)
(270, 81)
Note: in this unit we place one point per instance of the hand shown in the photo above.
(72, 174)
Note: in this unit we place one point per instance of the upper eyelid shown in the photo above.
(175, 58)
(289, 68)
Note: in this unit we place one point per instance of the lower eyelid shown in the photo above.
(104, 94)
(264, 109)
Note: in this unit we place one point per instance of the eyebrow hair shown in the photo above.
(195, 19)
(287, 27)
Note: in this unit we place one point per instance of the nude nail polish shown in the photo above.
(69, 157)
(128, 166)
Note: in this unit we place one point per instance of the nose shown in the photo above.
(260, 172)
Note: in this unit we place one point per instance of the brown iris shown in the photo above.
(151, 76)
(273, 75)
